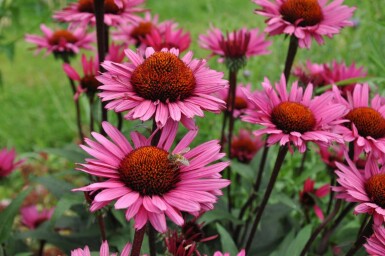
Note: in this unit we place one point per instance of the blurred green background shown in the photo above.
(35, 98)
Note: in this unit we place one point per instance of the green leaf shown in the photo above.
(299, 242)
(64, 204)
(218, 214)
(228, 244)
(72, 153)
(243, 170)
(284, 245)
(56, 186)
(8, 215)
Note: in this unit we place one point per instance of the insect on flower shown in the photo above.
(178, 159)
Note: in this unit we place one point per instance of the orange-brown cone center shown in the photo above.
(308, 11)
(293, 117)
(368, 122)
(240, 103)
(61, 35)
(163, 76)
(88, 6)
(149, 171)
(375, 188)
(141, 30)
(90, 83)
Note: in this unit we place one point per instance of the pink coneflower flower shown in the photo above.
(62, 41)
(305, 19)
(161, 85)
(363, 186)
(375, 245)
(245, 146)
(151, 182)
(336, 72)
(236, 46)
(116, 52)
(311, 73)
(87, 82)
(168, 36)
(367, 123)
(7, 162)
(241, 102)
(307, 194)
(104, 250)
(32, 218)
(116, 12)
(241, 253)
(294, 117)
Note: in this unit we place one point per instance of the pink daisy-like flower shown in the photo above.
(116, 12)
(305, 19)
(7, 162)
(294, 117)
(329, 155)
(161, 85)
(62, 41)
(363, 186)
(87, 82)
(236, 46)
(375, 245)
(134, 33)
(104, 250)
(32, 218)
(245, 146)
(311, 73)
(336, 72)
(241, 253)
(241, 102)
(367, 123)
(151, 182)
(168, 36)
(307, 194)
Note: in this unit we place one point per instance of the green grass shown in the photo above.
(37, 110)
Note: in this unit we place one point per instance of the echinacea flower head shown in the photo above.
(241, 253)
(60, 42)
(339, 71)
(367, 122)
(311, 73)
(104, 250)
(31, 217)
(245, 146)
(168, 36)
(87, 81)
(364, 187)
(81, 13)
(241, 104)
(234, 47)
(150, 181)
(375, 245)
(305, 19)
(295, 117)
(7, 162)
(134, 32)
(308, 194)
(331, 154)
(161, 85)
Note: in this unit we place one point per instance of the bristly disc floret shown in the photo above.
(307, 12)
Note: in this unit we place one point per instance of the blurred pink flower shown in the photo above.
(161, 85)
(62, 41)
(81, 13)
(168, 36)
(151, 182)
(104, 251)
(7, 162)
(236, 46)
(306, 196)
(218, 253)
(305, 19)
(311, 73)
(32, 218)
(367, 123)
(241, 102)
(364, 187)
(294, 117)
(331, 154)
(375, 245)
(245, 146)
(87, 82)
